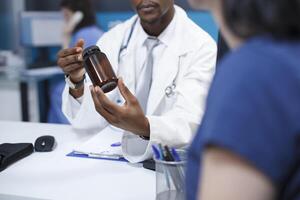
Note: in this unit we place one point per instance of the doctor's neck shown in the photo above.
(154, 27)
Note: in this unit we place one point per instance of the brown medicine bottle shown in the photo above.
(99, 69)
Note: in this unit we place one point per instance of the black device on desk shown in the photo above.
(10, 153)
(13, 152)
(44, 143)
(149, 164)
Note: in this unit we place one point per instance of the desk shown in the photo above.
(55, 176)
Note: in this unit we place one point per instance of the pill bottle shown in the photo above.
(99, 69)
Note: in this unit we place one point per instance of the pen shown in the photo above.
(175, 155)
(164, 169)
(117, 144)
(98, 155)
(169, 156)
(178, 159)
(162, 154)
(156, 152)
(174, 172)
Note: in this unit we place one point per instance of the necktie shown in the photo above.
(143, 86)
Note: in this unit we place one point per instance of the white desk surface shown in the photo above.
(55, 176)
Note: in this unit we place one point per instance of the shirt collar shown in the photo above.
(164, 37)
(142, 35)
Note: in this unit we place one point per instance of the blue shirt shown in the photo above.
(253, 110)
(90, 34)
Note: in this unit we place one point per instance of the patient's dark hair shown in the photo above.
(85, 6)
(279, 18)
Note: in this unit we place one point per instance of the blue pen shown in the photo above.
(161, 151)
(117, 144)
(165, 171)
(175, 155)
(156, 152)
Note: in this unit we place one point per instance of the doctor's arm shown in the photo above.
(181, 122)
(129, 117)
(179, 118)
(179, 115)
(70, 61)
(77, 103)
(177, 124)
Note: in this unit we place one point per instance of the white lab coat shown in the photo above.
(189, 60)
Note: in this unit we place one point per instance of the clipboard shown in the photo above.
(83, 155)
(105, 145)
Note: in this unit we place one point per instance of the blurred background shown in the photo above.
(30, 37)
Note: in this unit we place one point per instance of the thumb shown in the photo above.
(125, 92)
(80, 43)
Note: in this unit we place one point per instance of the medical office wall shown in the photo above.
(112, 12)
(5, 22)
(109, 12)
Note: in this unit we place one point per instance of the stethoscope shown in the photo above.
(170, 90)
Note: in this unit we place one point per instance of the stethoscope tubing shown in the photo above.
(170, 90)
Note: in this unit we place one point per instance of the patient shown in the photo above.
(248, 144)
(80, 23)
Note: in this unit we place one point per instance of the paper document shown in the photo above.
(105, 144)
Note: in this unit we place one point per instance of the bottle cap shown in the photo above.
(90, 50)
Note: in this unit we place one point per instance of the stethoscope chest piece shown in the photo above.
(169, 91)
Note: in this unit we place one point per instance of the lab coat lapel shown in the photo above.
(127, 72)
(169, 64)
(168, 67)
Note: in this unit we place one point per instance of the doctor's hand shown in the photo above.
(129, 117)
(71, 62)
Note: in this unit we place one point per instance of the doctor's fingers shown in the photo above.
(65, 61)
(69, 51)
(107, 103)
(72, 67)
(125, 92)
(100, 109)
(80, 43)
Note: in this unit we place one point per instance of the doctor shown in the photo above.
(166, 63)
